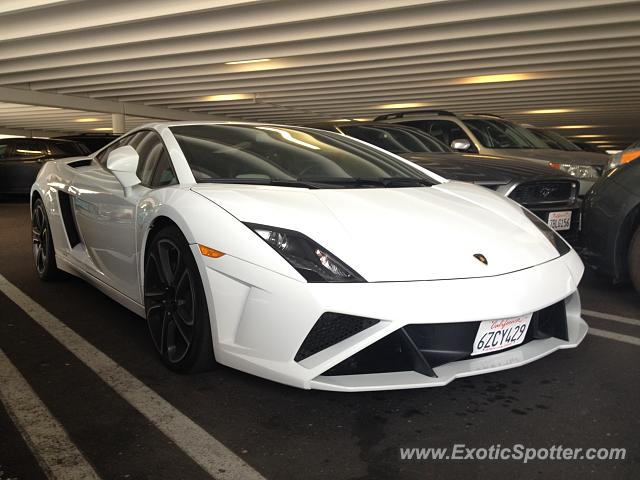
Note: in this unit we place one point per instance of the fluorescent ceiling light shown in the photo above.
(226, 97)
(402, 105)
(607, 142)
(342, 120)
(502, 77)
(240, 62)
(574, 126)
(102, 129)
(587, 136)
(550, 110)
(86, 120)
(363, 119)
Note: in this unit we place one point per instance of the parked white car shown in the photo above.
(307, 257)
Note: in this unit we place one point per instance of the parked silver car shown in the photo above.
(492, 135)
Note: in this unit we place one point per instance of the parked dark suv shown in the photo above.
(21, 159)
(612, 224)
(93, 141)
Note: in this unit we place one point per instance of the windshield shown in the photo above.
(396, 140)
(553, 140)
(502, 134)
(289, 156)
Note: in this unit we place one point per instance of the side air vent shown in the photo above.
(68, 219)
(330, 329)
(80, 163)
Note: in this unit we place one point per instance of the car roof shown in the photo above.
(417, 114)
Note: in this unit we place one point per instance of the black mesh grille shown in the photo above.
(330, 329)
(558, 192)
(421, 347)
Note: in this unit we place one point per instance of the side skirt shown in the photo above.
(67, 266)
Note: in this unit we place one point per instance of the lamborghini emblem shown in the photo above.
(481, 258)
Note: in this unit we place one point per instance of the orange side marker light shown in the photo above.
(210, 252)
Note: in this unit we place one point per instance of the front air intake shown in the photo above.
(422, 347)
(330, 329)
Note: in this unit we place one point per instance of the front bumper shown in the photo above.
(260, 319)
(441, 375)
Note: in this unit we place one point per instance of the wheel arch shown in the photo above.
(154, 226)
(35, 195)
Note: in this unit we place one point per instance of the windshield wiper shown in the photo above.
(330, 182)
(385, 182)
(276, 182)
(406, 182)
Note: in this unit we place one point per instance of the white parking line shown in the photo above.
(216, 459)
(615, 336)
(57, 455)
(609, 316)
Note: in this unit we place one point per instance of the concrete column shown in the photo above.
(117, 123)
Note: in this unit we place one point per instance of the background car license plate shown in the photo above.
(494, 335)
(560, 220)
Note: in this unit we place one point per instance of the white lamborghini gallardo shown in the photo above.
(307, 257)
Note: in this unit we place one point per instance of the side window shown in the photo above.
(163, 174)
(154, 166)
(446, 131)
(101, 157)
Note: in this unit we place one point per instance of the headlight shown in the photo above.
(623, 157)
(313, 262)
(578, 171)
(556, 240)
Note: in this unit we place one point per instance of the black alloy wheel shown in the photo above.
(175, 304)
(42, 242)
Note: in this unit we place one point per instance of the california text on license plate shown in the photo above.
(560, 220)
(494, 335)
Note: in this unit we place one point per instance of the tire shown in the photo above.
(175, 304)
(44, 255)
(634, 260)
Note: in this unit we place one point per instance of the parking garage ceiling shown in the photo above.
(574, 63)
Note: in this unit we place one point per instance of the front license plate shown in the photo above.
(560, 220)
(494, 335)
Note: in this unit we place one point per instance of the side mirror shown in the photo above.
(461, 144)
(123, 163)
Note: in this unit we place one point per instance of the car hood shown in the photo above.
(483, 169)
(557, 156)
(398, 234)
